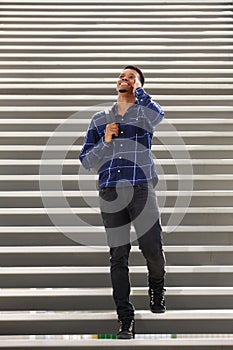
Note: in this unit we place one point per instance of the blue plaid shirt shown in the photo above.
(127, 158)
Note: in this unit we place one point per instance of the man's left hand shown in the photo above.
(137, 84)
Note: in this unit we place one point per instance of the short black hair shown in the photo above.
(138, 70)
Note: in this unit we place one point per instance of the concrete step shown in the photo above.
(161, 151)
(101, 71)
(94, 277)
(126, 47)
(150, 67)
(186, 2)
(34, 199)
(123, 26)
(72, 167)
(59, 236)
(84, 255)
(72, 88)
(204, 138)
(61, 34)
(193, 18)
(114, 56)
(93, 299)
(97, 100)
(124, 12)
(91, 215)
(180, 115)
(133, 7)
(83, 123)
(101, 41)
(76, 182)
(185, 321)
(48, 342)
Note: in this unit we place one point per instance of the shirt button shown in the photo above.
(121, 145)
(118, 171)
(122, 119)
(120, 157)
(122, 132)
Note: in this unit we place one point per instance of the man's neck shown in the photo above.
(124, 101)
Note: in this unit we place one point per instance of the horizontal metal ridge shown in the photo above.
(77, 134)
(68, 147)
(56, 342)
(44, 121)
(60, 41)
(40, 270)
(100, 229)
(113, 55)
(97, 86)
(123, 47)
(85, 193)
(95, 292)
(118, 1)
(161, 161)
(152, 6)
(96, 210)
(97, 71)
(86, 177)
(86, 122)
(110, 315)
(105, 64)
(154, 12)
(68, 19)
(128, 33)
(143, 26)
(209, 80)
(113, 98)
(104, 249)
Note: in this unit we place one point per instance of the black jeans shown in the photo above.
(119, 207)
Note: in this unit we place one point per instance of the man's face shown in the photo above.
(126, 80)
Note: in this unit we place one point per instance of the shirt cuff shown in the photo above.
(105, 144)
(139, 92)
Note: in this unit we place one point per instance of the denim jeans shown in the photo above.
(119, 208)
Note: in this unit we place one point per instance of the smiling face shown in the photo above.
(126, 80)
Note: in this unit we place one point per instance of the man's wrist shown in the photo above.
(139, 91)
(107, 140)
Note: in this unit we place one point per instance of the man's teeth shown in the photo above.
(124, 84)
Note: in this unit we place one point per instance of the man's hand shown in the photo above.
(137, 83)
(111, 129)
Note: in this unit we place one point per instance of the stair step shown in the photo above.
(115, 55)
(78, 134)
(59, 236)
(152, 6)
(154, 40)
(89, 277)
(139, 47)
(185, 321)
(84, 256)
(183, 298)
(47, 342)
(186, 2)
(96, 71)
(80, 122)
(114, 33)
(121, 64)
(180, 18)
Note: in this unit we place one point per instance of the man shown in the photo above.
(118, 144)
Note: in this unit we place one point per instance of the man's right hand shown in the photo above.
(111, 129)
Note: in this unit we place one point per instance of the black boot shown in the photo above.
(157, 302)
(127, 329)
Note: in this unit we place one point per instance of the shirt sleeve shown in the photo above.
(94, 148)
(156, 114)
